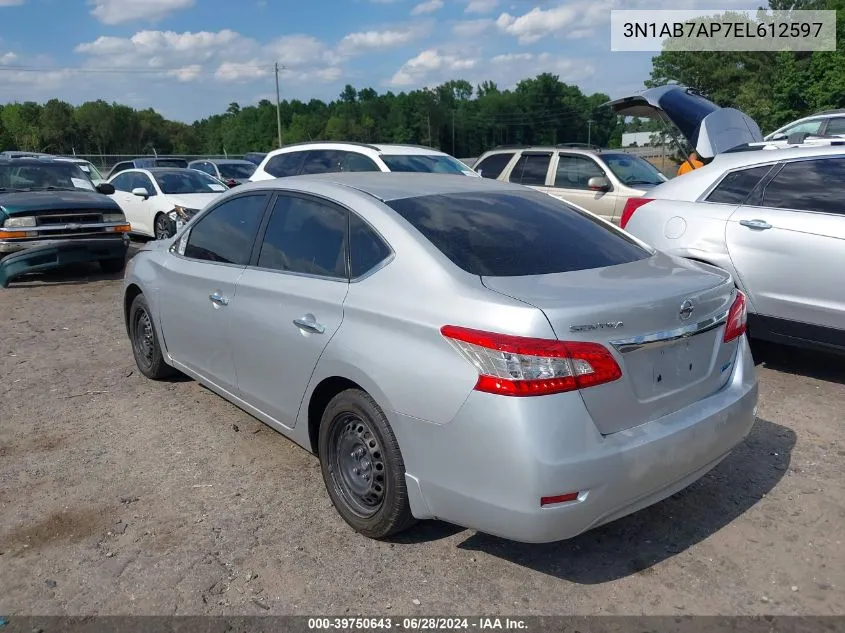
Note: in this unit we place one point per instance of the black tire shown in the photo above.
(163, 227)
(362, 466)
(113, 266)
(145, 346)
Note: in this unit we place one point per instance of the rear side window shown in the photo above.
(287, 164)
(737, 185)
(531, 169)
(305, 236)
(808, 185)
(227, 232)
(353, 161)
(493, 166)
(121, 167)
(836, 126)
(515, 234)
(366, 248)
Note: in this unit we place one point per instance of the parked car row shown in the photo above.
(414, 330)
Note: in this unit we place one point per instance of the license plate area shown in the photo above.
(668, 367)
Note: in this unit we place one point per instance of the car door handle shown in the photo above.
(309, 324)
(756, 224)
(218, 299)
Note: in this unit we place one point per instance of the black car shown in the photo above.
(52, 214)
(255, 157)
(145, 163)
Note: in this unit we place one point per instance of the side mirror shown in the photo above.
(598, 183)
(105, 188)
(141, 192)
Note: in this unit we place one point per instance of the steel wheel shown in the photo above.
(163, 228)
(143, 339)
(357, 464)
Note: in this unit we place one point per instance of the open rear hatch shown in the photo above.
(709, 129)
(663, 319)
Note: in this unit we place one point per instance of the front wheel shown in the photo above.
(163, 227)
(362, 466)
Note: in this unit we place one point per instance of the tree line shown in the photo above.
(455, 117)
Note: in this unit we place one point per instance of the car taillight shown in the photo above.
(630, 206)
(737, 318)
(522, 366)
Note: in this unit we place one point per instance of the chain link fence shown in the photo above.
(104, 162)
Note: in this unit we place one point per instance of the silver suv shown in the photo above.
(600, 181)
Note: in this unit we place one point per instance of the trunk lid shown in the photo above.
(709, 129)
(668, 361)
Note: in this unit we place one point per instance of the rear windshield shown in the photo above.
(429, 163)
(510, 234)
(171, 162)
(236, 170)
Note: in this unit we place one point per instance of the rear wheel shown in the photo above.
(145, 346)
(163, 227)
(362, 466)
(113, 266)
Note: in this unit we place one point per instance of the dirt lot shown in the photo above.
(119, 495)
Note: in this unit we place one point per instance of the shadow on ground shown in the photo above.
(793, 360)
(634, 544)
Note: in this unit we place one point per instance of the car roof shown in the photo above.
(387, 186)
(31, 160)
(373, 148)
(595, 151)
(222, 161)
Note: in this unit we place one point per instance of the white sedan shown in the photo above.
(157, 201)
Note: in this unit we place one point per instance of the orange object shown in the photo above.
(689, 164)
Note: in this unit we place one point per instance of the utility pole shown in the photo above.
(278, 106)
(589, 130)
(453, 132)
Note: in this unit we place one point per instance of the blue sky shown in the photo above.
(191, 58)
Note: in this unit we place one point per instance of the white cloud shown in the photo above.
(560, 20)
(429, 65)
(11, 3)
(8, 58)
(481, 6)
(429, 6)
(121, 11)
(242, 72)
(363, 41)
(432, 67)
(300, 50)
(472, 28)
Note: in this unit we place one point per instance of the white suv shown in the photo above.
(326, 157)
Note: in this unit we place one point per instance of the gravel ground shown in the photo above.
(119, 495)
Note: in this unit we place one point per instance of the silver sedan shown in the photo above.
(452, 348)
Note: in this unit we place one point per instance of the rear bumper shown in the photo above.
(48, 254)
(488, 468)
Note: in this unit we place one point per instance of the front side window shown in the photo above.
(516, 233)
(632, 170)
(493, 166)
(305, 236)
(807, 127)
(322, 161)
(736, 186)
(287, 164)
(531, 169)
(809, 185)
(574, 172)
(123, 182)
(226, 233)
(141, 181)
